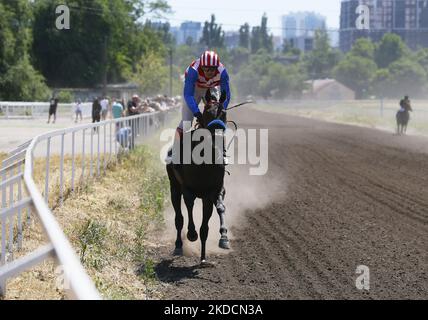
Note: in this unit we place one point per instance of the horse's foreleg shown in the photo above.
(189, 200)
(207, 212)
(179, 221)
(221, 210)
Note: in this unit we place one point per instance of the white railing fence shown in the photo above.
(83, 152)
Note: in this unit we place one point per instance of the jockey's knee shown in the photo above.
(179, 133)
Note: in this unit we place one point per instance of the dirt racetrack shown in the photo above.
(335, 197)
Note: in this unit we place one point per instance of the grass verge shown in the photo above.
(108, 222)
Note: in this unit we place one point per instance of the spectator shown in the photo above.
(52, 109)
(78, 111)
(123, 136)
(104, 108)
(96, 111)
(117, 112)
(134, 105)
(133, 110)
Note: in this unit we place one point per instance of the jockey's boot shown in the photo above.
(225, 159)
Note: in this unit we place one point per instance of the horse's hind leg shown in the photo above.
(221, 210)
(207, 212)
(189, 200)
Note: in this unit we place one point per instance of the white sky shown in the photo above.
(233, 13)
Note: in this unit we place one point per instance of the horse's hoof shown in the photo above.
(224, 243)
(192, 236)
(178, 252)
(206, 264)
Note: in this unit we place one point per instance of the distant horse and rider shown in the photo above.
(403, 115)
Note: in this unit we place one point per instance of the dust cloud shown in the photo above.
(244, 193)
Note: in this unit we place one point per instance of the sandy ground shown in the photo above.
(335, 197)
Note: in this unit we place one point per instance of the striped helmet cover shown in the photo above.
(210, 59)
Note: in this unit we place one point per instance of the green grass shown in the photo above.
(92, 236)
(109, 227)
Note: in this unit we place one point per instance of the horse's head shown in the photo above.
(214, 115)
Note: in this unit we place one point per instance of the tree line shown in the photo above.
(386, 69)
(106, 42)
(112, 41)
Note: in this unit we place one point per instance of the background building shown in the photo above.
(327, 89)
(299, 29)
(188, 31)
(407, 18)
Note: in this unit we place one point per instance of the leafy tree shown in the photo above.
(356, 72)
(402, 77)
(256, 40)
(422, 58)
(281, 81)
(322, 59)
(239, 58)
(18, 79)
(390, 49)
(15, 27)
(289, 50)
(22, 83)
(363, 48)
(266, 39)
(212, 34)
(381, 83)
(248, 78)
(406, 77)
(151, 74)
(244, 36)
(183, 56)
(105, 36)
(260, 39)
(358, 69)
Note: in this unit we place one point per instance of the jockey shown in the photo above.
(405, 105)
(205, 73)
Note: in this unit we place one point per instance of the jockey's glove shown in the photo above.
(198, 116)
(220, 111)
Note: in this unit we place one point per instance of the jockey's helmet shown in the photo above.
(210, 59)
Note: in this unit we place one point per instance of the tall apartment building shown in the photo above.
(407, 18)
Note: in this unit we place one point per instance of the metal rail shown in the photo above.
(20, 193)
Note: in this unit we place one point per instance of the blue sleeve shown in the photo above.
(189, 90)
(224, 85)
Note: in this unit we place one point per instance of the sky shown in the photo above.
(233, 13)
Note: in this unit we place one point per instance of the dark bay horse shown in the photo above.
(403, 117)
(204, 181)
